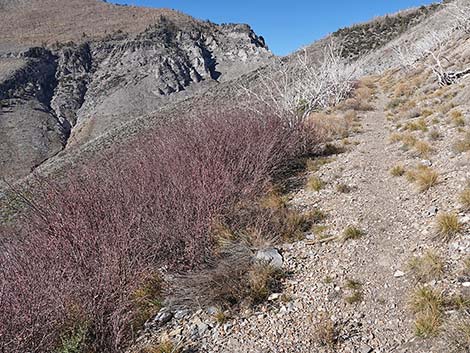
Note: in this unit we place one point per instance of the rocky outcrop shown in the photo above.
(29, 130)
(77, 91)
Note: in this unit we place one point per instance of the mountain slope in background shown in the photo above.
(68, 76)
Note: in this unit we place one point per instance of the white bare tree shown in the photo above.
(432, 46)
(301, 85)
(460, 12)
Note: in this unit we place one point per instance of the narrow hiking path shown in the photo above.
(358, 284)
(358, 288)
(353, 296)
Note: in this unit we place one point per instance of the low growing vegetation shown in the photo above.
(426, 267)
(424, 177)
(448, 225)
(426, 303)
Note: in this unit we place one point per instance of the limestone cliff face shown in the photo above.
(62, 94)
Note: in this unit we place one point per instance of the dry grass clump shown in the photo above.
(424, 177)
(263, 280)
(447, 107)
(395, 103)
(408, 140)
(356, 295)
(343, 188)
(274, 200)
(434, 135)
(464, 198)
(352, 232)
(234, 281)
(457, 118)
(457, 301)
(427, 305)
(403, 89)
(166, 345)
(221, 316)
(314, 183)
(426, 112)
(422, 148)
(419, 124)
(462, 145)
(397, 170)
(448, 225)
(357, 104)
(326, 332)
(320, 231)
(316, 215)
(314, 165)
(329, 126)
(395, 137)
(426, 267)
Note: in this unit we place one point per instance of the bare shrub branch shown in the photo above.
(302, 85)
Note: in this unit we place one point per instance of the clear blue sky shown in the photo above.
(286, 25)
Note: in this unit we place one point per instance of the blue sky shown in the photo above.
(286, 25)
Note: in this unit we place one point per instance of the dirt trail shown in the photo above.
(353, 296)
(322, 277)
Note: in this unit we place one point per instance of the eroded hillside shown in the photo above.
(75, 86)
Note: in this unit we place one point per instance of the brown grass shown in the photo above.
(448, 226)
(314, 165)
(314, 183)
(426, 267)
(457, 118)
(427, 305)
(422, 148)
(424, 177)
(165, 345)
(462, 145)
(326, 332)
(397, 170)
(352, 232)
(331, 126)
(464, 198)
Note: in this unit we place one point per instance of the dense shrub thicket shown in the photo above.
(83, 268)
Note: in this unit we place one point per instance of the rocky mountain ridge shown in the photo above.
(68, 93)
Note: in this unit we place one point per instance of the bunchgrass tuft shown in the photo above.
(352, 232)
(397, 170)
(424, 177)
(448, 225)
(422, 148)
(464, 198)
(314, 183)
(427, 305)
(426, 267)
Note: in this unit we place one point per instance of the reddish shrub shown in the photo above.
(91, 240)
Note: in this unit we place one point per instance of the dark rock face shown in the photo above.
(70, 93)
(29, 130)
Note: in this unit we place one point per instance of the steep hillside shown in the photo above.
(98, 65)
(38, 22)
(198, 195)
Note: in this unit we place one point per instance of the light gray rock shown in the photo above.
(365, 348)
(432, 211)
(271, 257)
(399, 274)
